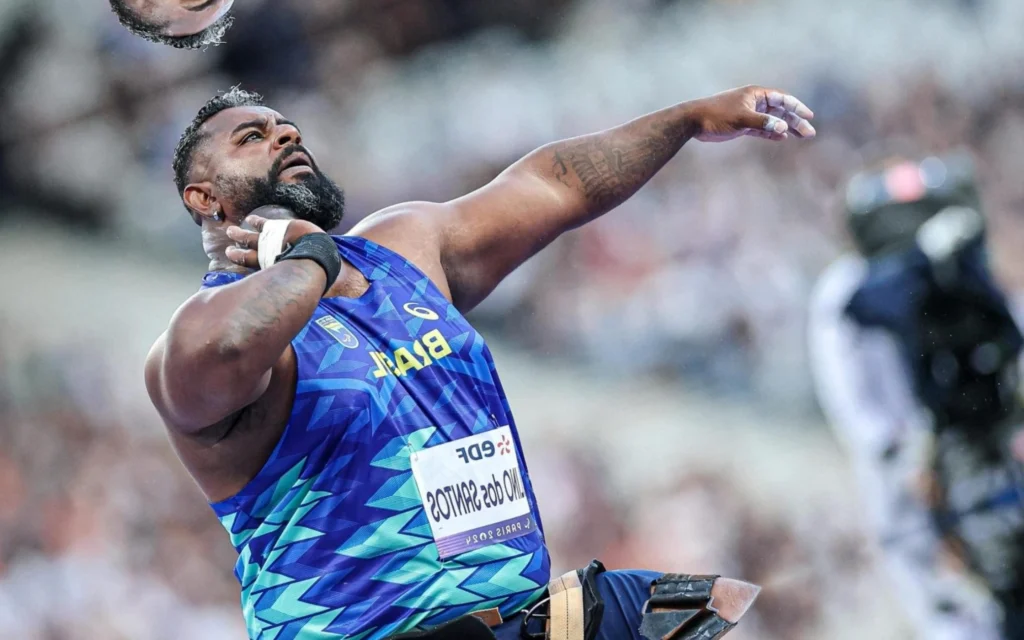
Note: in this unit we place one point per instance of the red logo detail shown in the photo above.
(504, 445)
(904, 182)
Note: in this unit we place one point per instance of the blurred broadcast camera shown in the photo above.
(920, 226)
(921, 229)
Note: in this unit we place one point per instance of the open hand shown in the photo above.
(750, 111)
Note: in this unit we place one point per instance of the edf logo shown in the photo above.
(476, 452)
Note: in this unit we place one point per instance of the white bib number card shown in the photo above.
(473, 492)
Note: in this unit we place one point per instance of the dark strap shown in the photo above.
(710, 629)
(679, 609)
(320, 248)
(680, 589)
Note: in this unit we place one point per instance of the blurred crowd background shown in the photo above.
(656, 359)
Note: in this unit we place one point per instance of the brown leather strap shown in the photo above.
(490, 617)
(566, 608)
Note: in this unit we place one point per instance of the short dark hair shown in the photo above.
(184, 154)
(154, 31)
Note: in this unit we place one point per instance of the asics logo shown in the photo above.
(420, 312)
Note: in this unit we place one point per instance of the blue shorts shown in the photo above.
(624, 594)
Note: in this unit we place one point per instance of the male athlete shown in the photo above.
(347, 423)
(183, 24)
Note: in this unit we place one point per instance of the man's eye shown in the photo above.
(251, 137)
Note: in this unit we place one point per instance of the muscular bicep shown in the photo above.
(222, 344)
(469, 245)
(193, 384)
(487, 234)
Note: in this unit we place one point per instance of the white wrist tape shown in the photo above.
(272, 241)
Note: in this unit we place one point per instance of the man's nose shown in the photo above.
(287, 135)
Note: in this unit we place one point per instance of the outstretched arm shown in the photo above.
(490, 232)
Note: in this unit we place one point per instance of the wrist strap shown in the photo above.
(320, 248)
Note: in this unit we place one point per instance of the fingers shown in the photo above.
(256, 222)
(247, 243)
(244, 239)
(784, 108)
(764, 125)
(246, 249)
(774, 128)
(792, 111)
(248, 258)
(753, 111)
(789, 103)
(797, 125)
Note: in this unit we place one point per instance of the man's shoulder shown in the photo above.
(412, 230)
(400, 219)
(409, 229)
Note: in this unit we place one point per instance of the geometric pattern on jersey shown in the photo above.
(331, 534)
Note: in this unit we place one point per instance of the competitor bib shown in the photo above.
(472, 491)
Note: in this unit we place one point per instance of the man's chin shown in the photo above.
(311, 196)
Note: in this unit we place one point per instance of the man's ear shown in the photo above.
(199, 200)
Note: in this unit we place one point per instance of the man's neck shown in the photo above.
(215, 244)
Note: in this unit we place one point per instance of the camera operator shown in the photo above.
(915, 356)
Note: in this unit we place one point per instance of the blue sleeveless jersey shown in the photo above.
(332, 535)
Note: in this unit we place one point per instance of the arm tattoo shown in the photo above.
(608, 167)
(284, 298)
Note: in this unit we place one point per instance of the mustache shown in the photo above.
(275, 169)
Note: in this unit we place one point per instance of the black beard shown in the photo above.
(315, 198)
